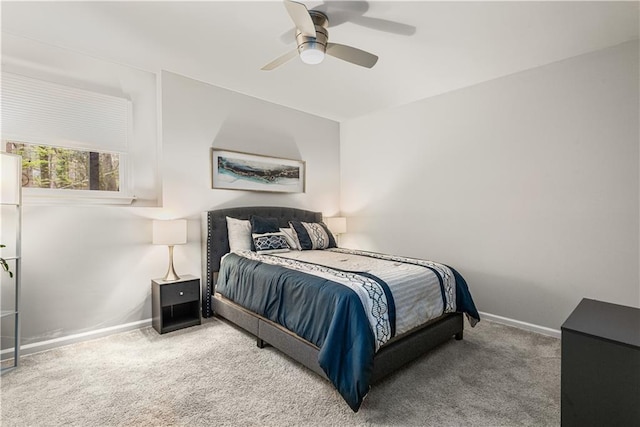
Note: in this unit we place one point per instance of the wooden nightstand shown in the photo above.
(176, 304)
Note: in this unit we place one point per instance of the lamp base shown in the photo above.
(171, 275)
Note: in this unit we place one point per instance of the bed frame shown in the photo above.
(393, 355)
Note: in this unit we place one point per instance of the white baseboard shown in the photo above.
(37, 347)
(98, 333)
(522, 325)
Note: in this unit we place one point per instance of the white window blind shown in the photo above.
(39, 111)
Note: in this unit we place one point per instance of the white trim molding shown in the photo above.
(555, 333)
(37, 347)
(99, 333)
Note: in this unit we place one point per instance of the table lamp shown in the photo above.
(170, 233)
(337, 225)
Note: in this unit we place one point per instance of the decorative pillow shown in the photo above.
(268, 243)
(260, 225)
(312, 235)
(292, 240)
(239, 232)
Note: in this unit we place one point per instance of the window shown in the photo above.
(68, 169)
(73, 142)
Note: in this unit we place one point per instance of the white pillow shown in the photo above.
(239, 234)
(292, 240)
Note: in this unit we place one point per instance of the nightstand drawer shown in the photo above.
(178, 293)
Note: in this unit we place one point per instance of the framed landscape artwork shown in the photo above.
(234, 170)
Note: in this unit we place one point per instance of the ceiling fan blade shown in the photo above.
(354, 11)
(352, 54)
(342, 11)
(300, 16)
(384, 25)
(280, 60)
(289, 36)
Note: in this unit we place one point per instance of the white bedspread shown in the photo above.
(416, 289)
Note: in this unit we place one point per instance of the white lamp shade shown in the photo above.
(170, 233)
(10, 178)
(337, 224)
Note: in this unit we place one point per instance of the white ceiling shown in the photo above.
(453, 45)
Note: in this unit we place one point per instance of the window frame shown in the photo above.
(32, 195)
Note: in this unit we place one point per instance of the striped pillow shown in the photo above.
(312, 235)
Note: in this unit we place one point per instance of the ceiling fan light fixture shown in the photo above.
(312, 55)
(312, 38)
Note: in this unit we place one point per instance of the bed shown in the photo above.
(336, 346)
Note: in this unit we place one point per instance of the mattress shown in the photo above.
(348, 303)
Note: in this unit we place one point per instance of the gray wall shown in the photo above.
(197, 116)
(89, 267)
(528, 184)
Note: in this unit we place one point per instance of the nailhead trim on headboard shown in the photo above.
(218, 241)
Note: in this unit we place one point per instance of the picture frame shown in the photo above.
(235, 170)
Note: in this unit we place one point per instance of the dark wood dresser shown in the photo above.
(601, 365)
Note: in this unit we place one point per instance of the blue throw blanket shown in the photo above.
(313, 302)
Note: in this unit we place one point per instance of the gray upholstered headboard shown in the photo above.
(216, 242)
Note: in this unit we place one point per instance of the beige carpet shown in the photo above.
(214, 374)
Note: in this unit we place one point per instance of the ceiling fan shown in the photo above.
(312, 37)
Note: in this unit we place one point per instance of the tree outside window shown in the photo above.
(63, 168)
